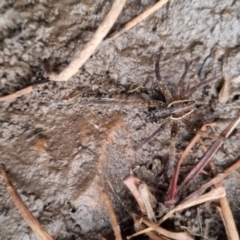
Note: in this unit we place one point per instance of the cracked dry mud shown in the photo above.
(59, 154)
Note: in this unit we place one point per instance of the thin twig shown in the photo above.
(154, 236)
(138, 226)
(218, 178)
(139, 18)
(193, 233)
(209, 154)
(227, 215)
(91, 46)
(17, 94)
(112, 216)
(163, 232)
(172, 191)
(26, 214)
(225, 210)
(212, 195)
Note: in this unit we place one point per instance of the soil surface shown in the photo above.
(61, 149)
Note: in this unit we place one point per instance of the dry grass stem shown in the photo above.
(154, 227)
(194, 234)
(225, 210)
(138, 225)
(218, 207)
(212, 195)
(26, 214)
(172, 191)
(154, 236)
(139, 18)
(209, 154)
(166, 233)
(112, 215)
(131, 182)
(91, 46)
(146, 197)
(227, 218)
(215, 180)
(17, 94)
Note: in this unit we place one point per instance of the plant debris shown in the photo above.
(26, 214)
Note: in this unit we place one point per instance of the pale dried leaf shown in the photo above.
(164, 232)
(224, 93)
(130, 181)
(146, 197)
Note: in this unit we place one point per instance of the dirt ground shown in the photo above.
(60, 152)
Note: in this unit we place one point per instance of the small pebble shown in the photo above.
(13, 59)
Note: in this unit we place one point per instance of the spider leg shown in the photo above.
(181, 81)
(154, 134)
(157, 68)
(162, 86)
(171, 161)
(136, 103)
(191, 90)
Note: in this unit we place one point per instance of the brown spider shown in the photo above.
(166, 106)
(171, 108)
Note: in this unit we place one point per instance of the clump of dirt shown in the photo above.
(60, 151)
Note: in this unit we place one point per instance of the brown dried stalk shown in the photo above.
(91, 46)
(228, 223)
(227, 216)
(166, 233)
(139, 18)
(212, 195)
(112, 215)
(215, 180)
(163, 232)
(172, 191)
(154, 236)
(17, 94)
(138, 225)
(209, 154)
(26, 214)
(225, 210)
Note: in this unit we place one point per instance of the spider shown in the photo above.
(165, 105)
(172, 107)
